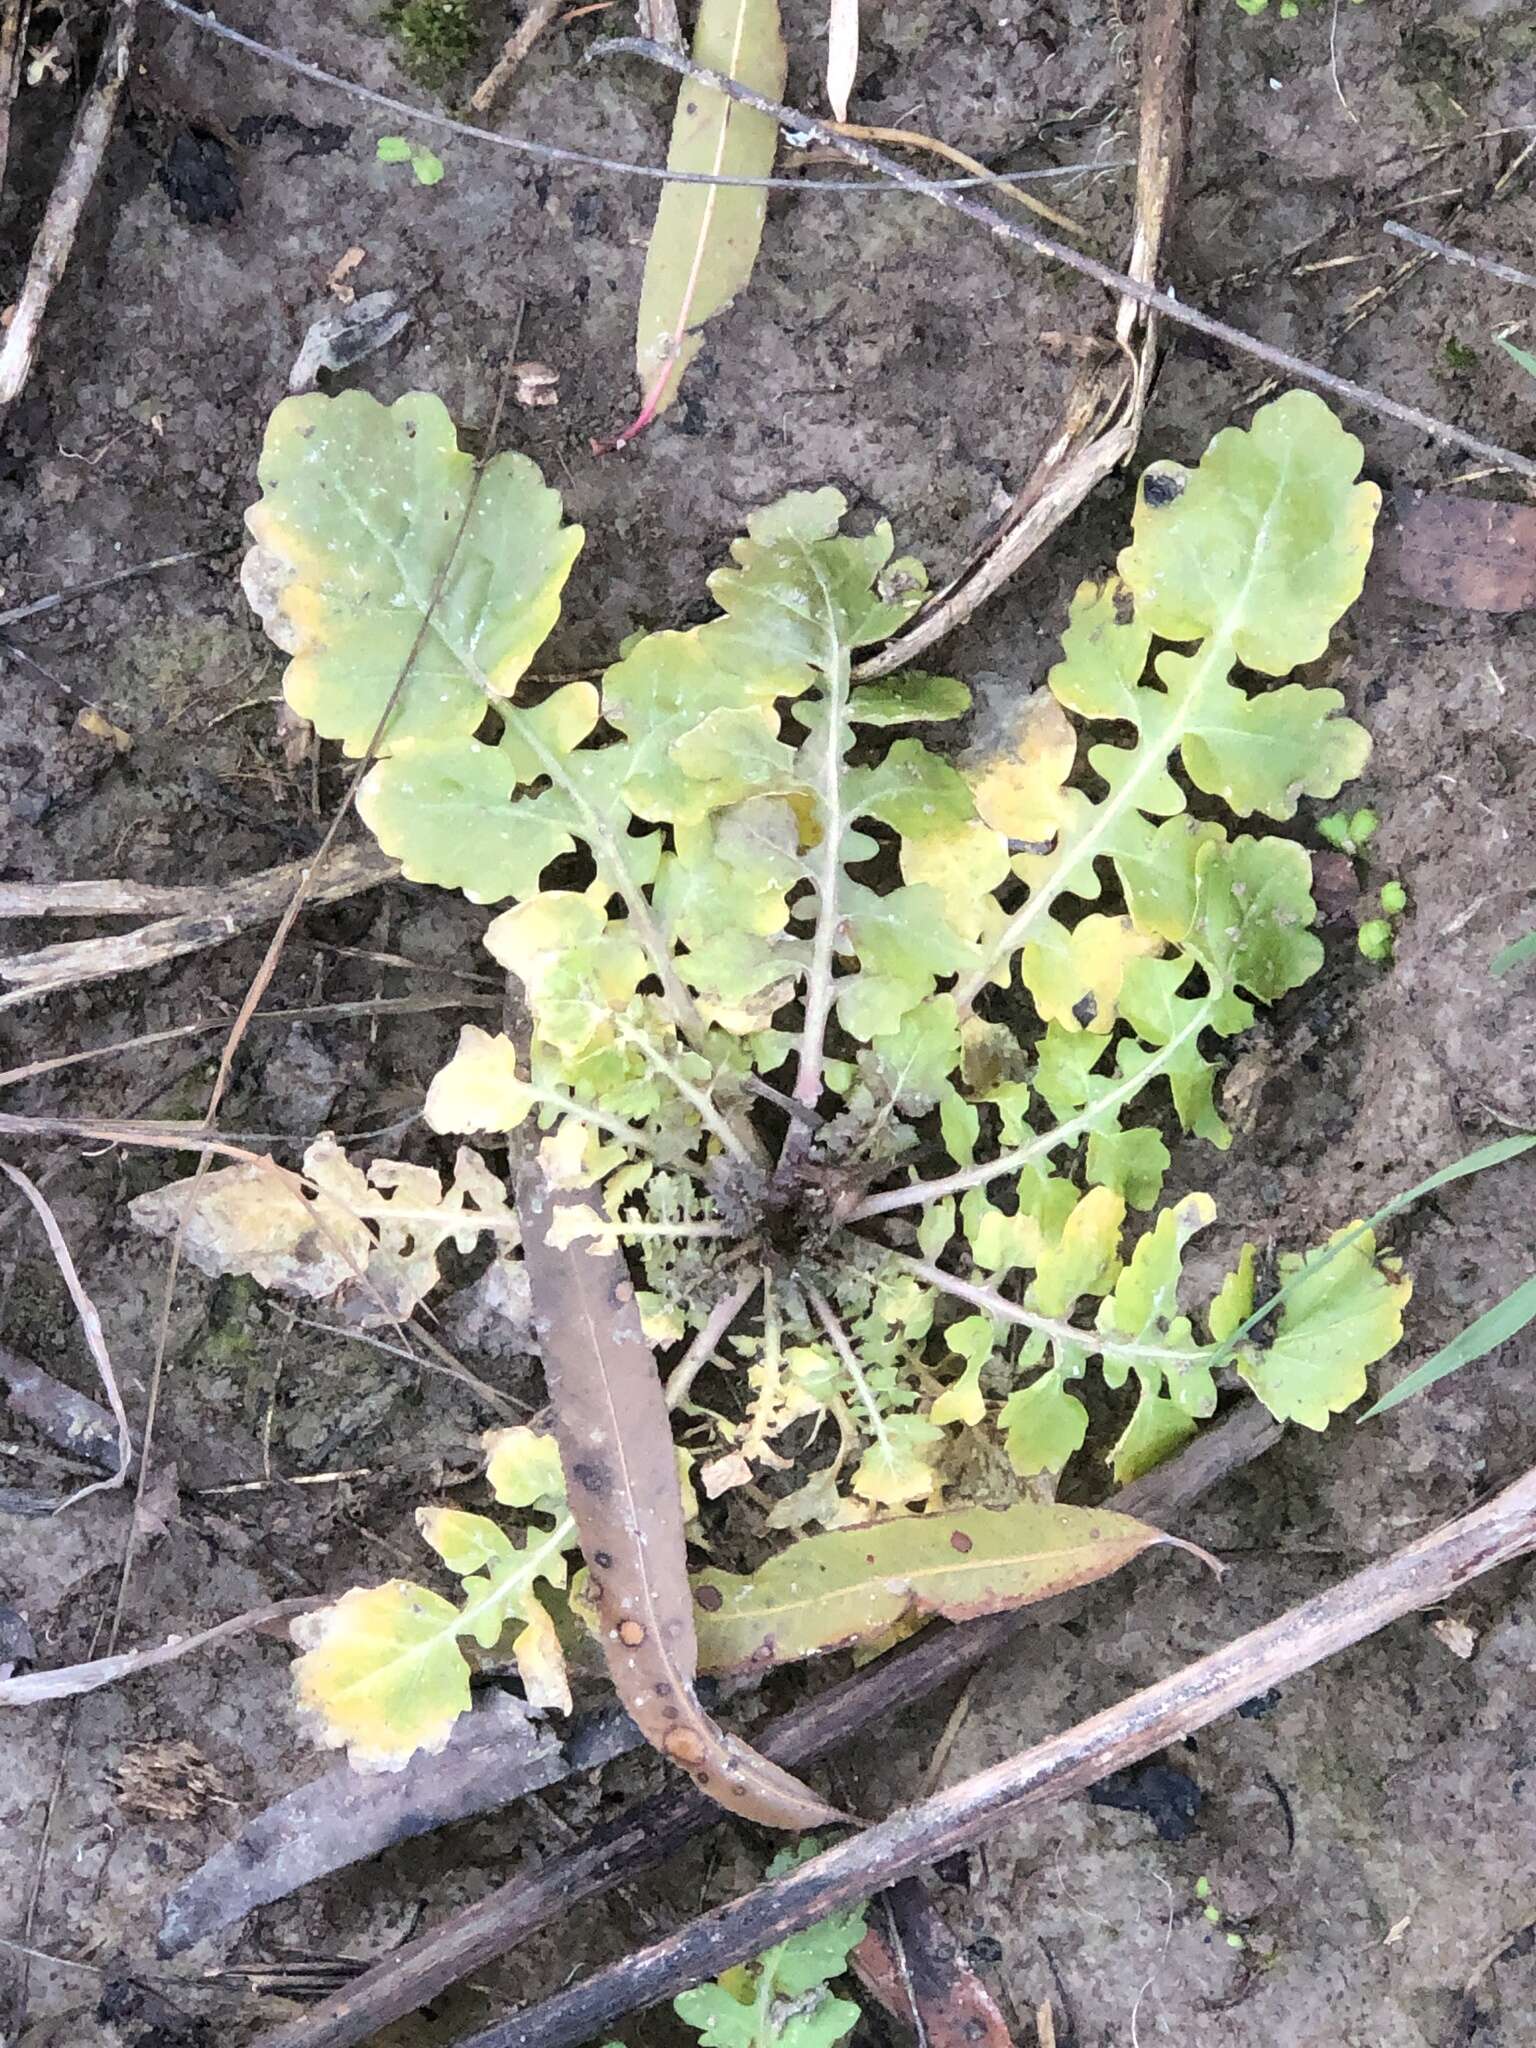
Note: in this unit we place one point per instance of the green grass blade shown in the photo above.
(1494, 1327)
(1522, 356)
(1514, 955)
(1480, 1161)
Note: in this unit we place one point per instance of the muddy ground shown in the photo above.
(1369, 1834)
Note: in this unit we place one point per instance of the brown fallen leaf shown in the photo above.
(615, 1438)
(911, 1962)
(1467, 554)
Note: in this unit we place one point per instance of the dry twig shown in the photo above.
(533, 24)
(90, 1325)
(66, 204)
(202, 917)
(1451, 254)
(56, 598)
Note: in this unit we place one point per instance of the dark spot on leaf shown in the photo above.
(710, 1598)
(958, 1540)
(1124, 603)
(1085, 1009)
(985, 1949)
(975, 2030)
(631, 1634)
(603, 1558)
(594, 1479)
(1158, 488)
(685, 1746)
(663, 1689)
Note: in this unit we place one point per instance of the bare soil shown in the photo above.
(1369, 1836)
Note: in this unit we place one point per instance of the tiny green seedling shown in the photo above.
(1212, 1914)
(1376, 936)
(1349, 831)
(397, 149)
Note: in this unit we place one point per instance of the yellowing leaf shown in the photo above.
(831, 1591)
(1018, 788)
(705, 239)
(1085, 1258)
(479, 1089)
(898, 1466)
(382, 1674)
(1075, 977)
(522, 1469)
(361, 513)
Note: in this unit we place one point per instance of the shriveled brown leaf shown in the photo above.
(615, 1438)
(911, 1962)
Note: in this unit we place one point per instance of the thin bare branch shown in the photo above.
(501, 74)
(1165, 303)
(90, 1325)
(550, 153)
(1489, 265)
(75, 591)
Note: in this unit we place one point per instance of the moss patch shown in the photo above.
(437, 37)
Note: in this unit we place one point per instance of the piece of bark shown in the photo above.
(494, 1755)
(911, 1962)
(1467, 554)
(71, 1422)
